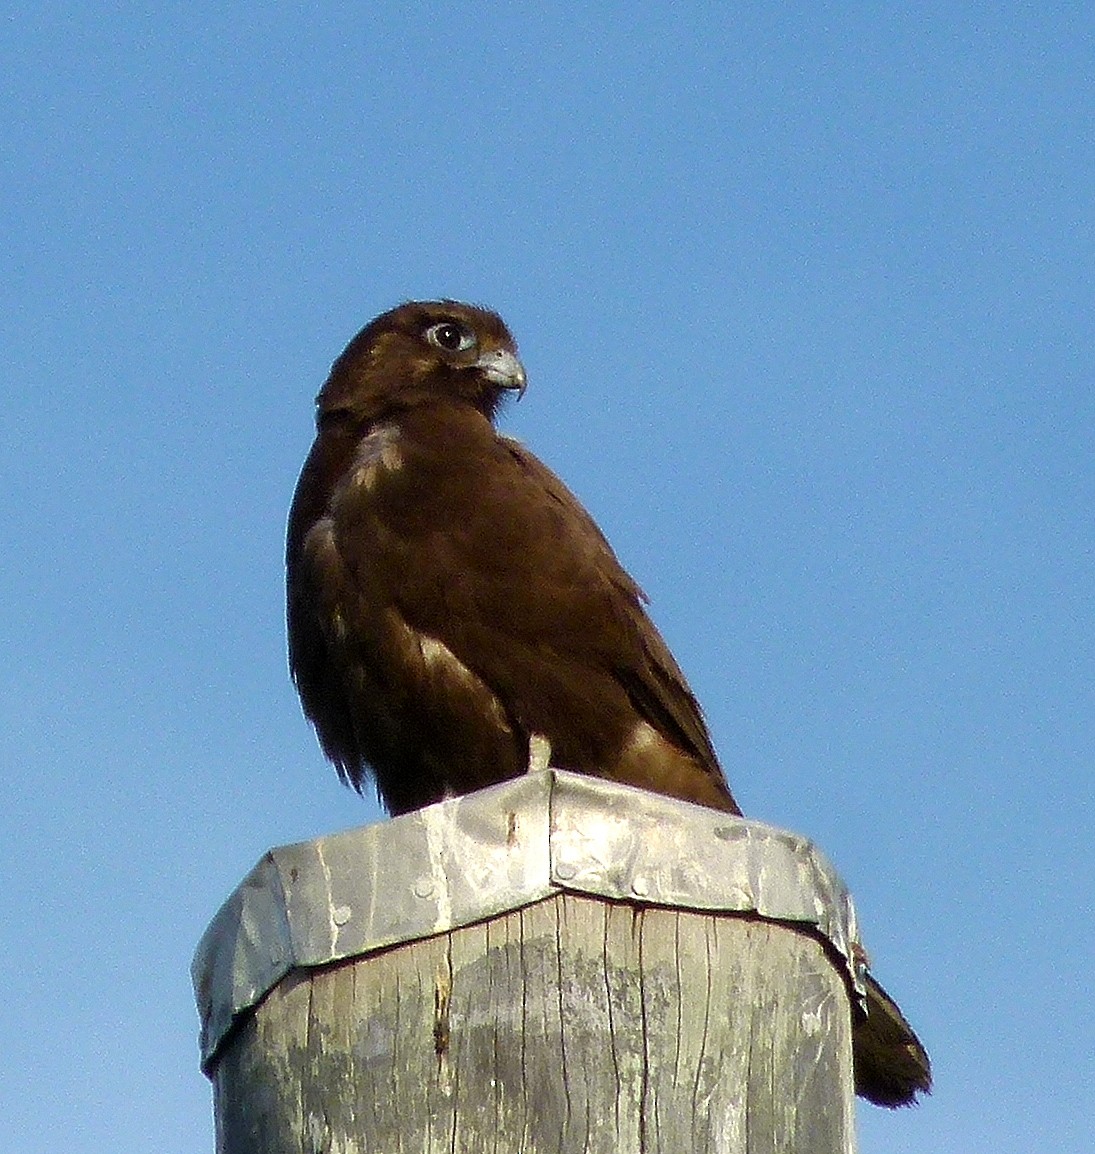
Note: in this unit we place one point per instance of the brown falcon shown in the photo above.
(456, 617)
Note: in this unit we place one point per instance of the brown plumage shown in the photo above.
(456, 617)
(450, 601)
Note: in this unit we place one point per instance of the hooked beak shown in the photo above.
(502, 368)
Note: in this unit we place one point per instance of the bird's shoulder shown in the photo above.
(444, 471)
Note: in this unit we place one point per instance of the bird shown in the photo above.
(456, 618)
(454, 614)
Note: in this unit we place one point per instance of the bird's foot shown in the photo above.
(539, 753)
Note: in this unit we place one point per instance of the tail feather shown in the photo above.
(891, 1064)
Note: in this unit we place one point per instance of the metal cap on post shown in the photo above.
(556, 963)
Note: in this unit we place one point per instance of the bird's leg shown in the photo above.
(539, 752)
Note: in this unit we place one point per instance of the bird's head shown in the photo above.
(422, 351)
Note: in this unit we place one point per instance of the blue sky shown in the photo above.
(805, 295)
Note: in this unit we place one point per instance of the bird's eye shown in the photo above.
(450, 335)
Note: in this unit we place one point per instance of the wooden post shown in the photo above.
(552, 965)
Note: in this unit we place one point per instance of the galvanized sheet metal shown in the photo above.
(491, 852)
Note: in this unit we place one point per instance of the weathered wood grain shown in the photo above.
(571, 1025)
